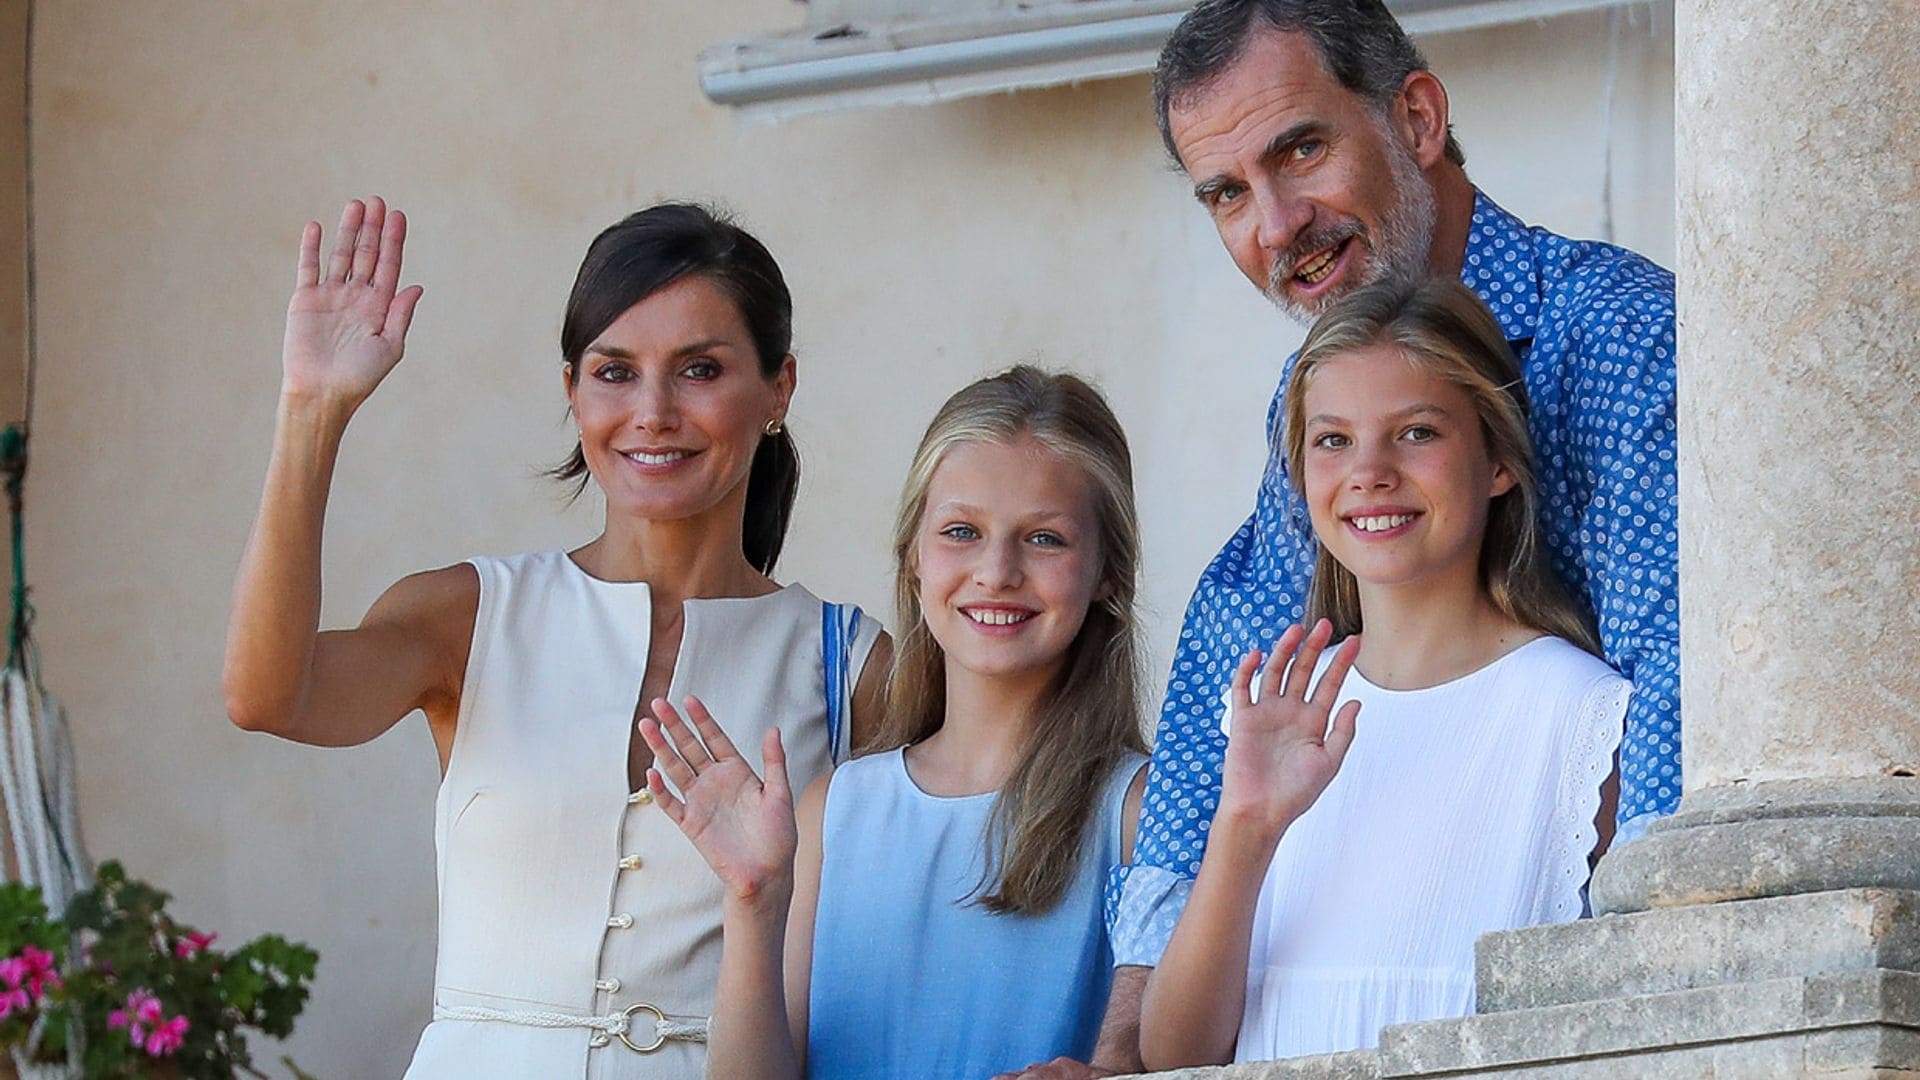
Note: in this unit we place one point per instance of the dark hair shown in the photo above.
(650, 250)
(1359, 40)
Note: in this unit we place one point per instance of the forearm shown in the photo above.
(748, 1034)
(1194, 1000)
(1118, 1047)
(275, 618)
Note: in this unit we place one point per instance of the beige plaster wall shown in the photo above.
(180, 146)
(13, 213)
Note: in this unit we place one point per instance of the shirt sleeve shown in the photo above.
(1628, 533)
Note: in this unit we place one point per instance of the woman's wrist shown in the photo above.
(314, 410)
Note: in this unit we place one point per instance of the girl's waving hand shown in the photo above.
(743, 826)
(1282, 750)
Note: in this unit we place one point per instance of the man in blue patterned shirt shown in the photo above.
(1319, 143)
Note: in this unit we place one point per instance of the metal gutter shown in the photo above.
(932, 60)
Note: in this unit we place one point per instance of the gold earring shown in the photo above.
(774, 427)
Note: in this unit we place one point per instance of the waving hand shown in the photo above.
(1282, 752)
(346, 324)
(742, 826)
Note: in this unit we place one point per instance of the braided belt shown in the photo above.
(618, 1025)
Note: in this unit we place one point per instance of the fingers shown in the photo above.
(1327, 690)
(393, 241)
(1243, 680)
(684, 740)
(1340, 737)
(1300, 674)
(366, 250)
(665, 798)
(343, 240)
(773, 765)
(717, 742)
(666, 756)
(307, 271)
(400, 315)
(1277, 668)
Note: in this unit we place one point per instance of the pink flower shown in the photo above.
(194, 942)
(11, 1000)
(142, 1012)
(167, 1037)
(40, 972)
(33, 968)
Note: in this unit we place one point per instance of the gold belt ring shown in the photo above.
(659, 1024)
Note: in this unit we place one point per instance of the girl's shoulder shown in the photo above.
(1561, 662)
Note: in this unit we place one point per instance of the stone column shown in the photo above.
(1799, 231)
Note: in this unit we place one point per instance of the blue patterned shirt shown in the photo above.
(1593, 327)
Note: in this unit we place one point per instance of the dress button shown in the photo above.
(639, 798)
(611, 986)
(630, 862)
(620, 921)
(599, 1040)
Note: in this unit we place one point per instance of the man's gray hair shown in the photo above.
(1359, 40)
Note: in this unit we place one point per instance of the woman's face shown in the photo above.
(671, 403)
(1007, 558)
(1396, 471)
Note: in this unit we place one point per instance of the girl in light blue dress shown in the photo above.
(937, 909)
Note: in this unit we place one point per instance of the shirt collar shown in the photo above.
(1500, 267)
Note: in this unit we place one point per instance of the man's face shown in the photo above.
(1314, 190)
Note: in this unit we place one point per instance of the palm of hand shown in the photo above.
(1285, 748)
(334, 339)
(1279, 749)
(742, 826)
(347, 326)
(743, 829)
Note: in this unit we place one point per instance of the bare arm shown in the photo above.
(806, 903)
(1280, 756)
(346, 329)
(745, 831)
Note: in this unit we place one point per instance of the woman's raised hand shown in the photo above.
(1282, 752)
(743, 827)
(346, 324)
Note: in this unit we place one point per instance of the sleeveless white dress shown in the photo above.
(562, 895)
(1461, 809)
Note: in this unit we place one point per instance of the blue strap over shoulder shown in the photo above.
(839, 625)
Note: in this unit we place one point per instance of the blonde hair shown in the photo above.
(1090, 718)
(1442, 328)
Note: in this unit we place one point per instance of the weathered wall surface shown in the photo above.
(13, 211)
(178, 149)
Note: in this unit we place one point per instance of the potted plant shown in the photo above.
(118, 988)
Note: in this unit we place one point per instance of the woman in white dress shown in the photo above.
(1351, 876)
(579, 931)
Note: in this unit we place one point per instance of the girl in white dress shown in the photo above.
(578, 930)
(1472, 799)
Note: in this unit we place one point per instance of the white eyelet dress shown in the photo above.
(563, 897)
(1461, 809)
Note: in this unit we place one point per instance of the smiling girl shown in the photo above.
(1472, 800)
(938, 912)
(578, 931)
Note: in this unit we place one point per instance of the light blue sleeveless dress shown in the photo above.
(909, 978)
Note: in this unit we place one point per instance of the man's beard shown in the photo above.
(1398, 253)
